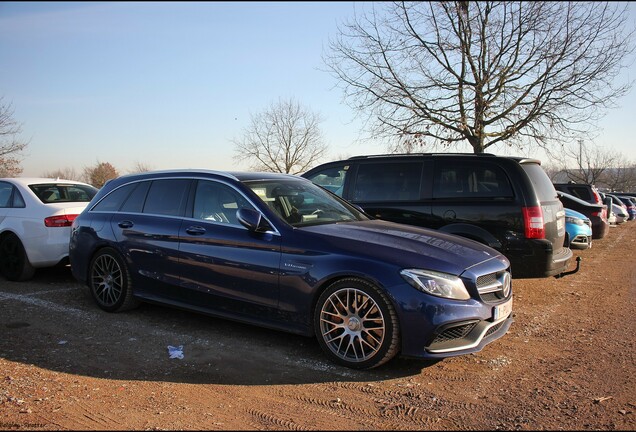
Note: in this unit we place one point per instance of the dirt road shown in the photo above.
(566, 363)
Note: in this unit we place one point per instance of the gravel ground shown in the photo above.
(567, 363)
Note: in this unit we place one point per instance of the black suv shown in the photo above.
(507, 203)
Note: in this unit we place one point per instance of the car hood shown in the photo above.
(406, 245)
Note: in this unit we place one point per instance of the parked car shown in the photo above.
(630, 203)
(277, 251)
(507, 203)
(579, 230)
(586, 192)
(617, 202)
(597, 213)
(620, 214)
(35, 222)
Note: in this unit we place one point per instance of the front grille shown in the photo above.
(494, 287)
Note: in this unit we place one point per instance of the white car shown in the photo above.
(620, 213)
(35, 222)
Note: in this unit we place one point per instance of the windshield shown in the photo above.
(302, 203)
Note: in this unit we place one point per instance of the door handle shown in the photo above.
(195, 230)
(125, 224)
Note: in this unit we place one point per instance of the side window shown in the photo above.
(18, 201)
(135, 201)
(332, 179)
(5, 194)
(167, 197)
(470, 180)
(113, 201)
(217, 202)
(388, 181)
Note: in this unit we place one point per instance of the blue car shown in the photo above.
(578, 229)
(278, 251)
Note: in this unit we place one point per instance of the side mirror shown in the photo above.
(253, 220)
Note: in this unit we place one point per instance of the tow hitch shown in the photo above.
(578, 266)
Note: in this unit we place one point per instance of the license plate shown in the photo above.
(502, 310)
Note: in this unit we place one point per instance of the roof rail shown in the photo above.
(419, 154)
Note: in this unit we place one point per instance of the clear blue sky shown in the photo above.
(169, 85)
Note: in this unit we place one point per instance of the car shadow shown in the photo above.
(55, 324)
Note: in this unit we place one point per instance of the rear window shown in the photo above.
(542, 183)
(582, 192)
(53, 192)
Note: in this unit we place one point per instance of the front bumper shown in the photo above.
(433, 327)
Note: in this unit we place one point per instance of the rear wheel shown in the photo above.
(14, 263)
(109, 282)
(356, 324)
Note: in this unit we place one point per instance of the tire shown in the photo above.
(109, 282)
(356, 324)
(14, 263)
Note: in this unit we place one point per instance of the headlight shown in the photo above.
(573, 220)
(436, 283)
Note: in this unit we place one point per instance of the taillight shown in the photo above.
(533, 222)
(60, 221)
(597, 197)
(601, 213)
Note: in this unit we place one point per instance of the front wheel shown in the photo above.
(109, 282)
(356, 325)
(14, 263)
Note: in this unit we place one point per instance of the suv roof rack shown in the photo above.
(419, 154)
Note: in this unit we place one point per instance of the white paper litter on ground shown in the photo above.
(175, 352)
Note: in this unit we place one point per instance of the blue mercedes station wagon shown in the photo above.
(277, 251)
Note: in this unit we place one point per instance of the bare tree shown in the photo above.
(482, 72)
(622, 177)
(64, 173)
(590, 162)
(140, 167)
(285, 138)
(10, 146)
(99, 174)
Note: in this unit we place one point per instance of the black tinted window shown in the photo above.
(470, 180)
(388, 182)
(582, 192)
(49, 193)
(332, 179)
(135, 201)
(114, 200)
(542, 183)
(167, 197)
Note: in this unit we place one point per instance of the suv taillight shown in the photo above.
(533, 222)
(60, 221)
(597, 197)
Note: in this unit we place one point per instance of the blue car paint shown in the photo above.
(578, 230)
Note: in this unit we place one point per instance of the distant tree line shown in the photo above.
(96, 175)
(606, 169)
